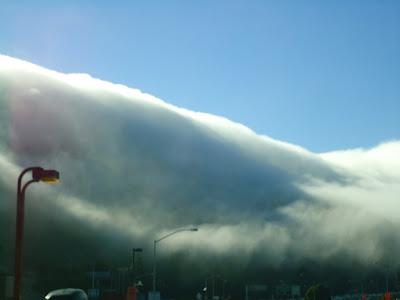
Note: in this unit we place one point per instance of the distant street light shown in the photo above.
(205, 289)
(38, 174)
(213, 277)
(154, 251)
(213, 285)
(223, 288)
(134, 267)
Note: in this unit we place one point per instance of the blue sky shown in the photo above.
(321, 74)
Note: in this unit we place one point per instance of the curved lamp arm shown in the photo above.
(174, 232)
(154, 250)
(22, 175)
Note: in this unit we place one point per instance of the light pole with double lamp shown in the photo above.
(38, 174)
(155, 252)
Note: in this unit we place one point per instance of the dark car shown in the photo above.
(67, 294)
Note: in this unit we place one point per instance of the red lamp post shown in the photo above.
(38, 174)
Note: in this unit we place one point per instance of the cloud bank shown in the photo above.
(134, 167)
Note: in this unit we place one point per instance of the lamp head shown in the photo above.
(48, 176)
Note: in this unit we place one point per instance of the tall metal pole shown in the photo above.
(38, 174)
(213, 287)
(154, 251)
(18, 245)
(94, 268)
(133, 271)
(154, 267)
(19, 232)
(206, 285)
(206, 289)
(223, 289)
(387, 282)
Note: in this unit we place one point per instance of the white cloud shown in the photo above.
(135, 166)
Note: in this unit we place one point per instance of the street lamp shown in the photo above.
(38, 174)
(223, 288)
(206, 286)
(213, 285)
(134, 267)
(154, 252)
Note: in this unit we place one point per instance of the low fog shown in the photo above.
(134, 167)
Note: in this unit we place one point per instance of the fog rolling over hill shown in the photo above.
(134, 167)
